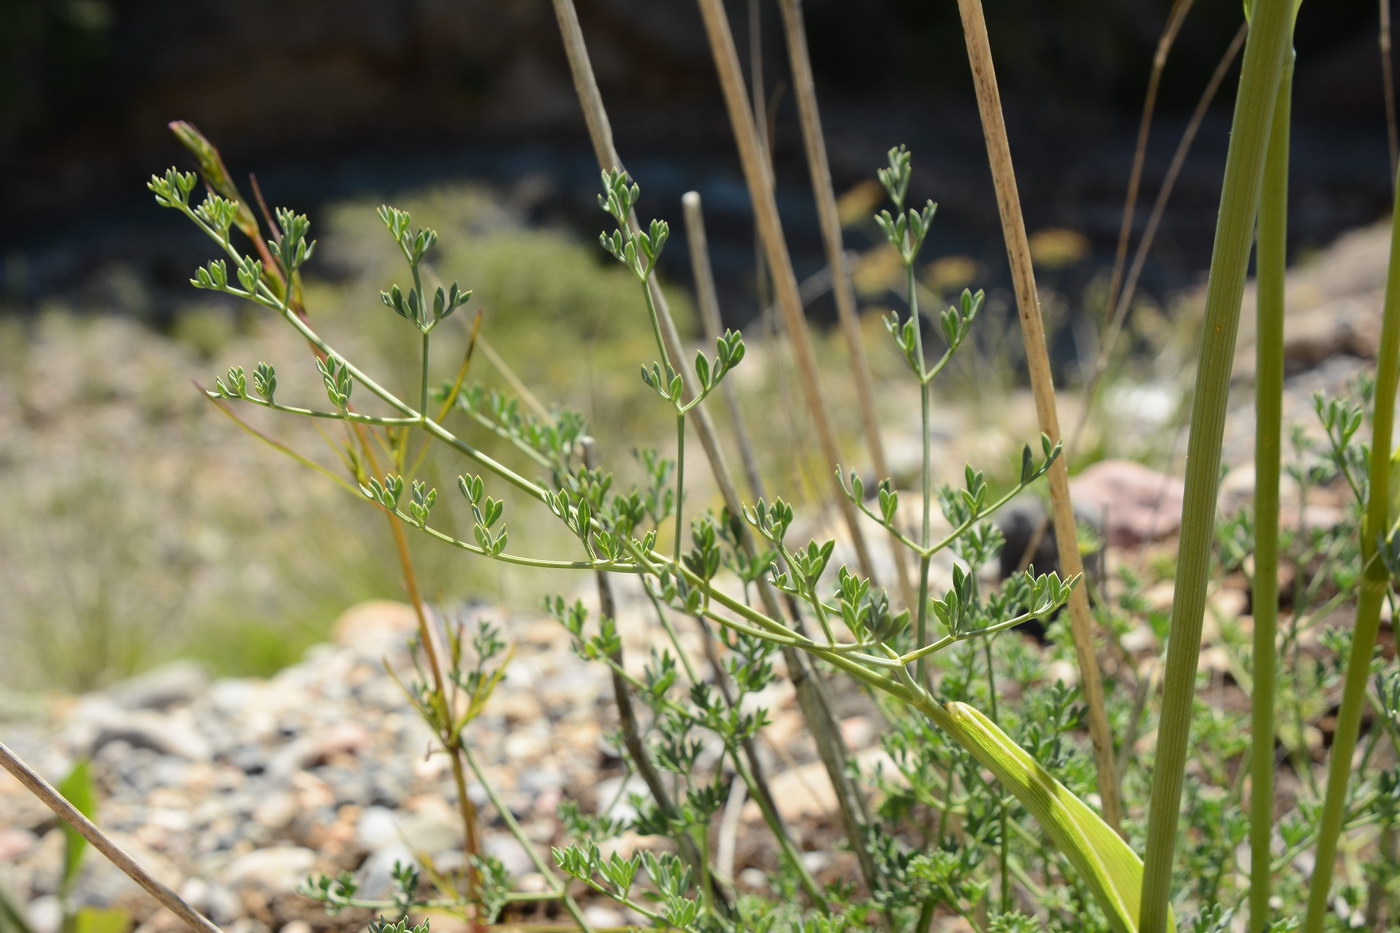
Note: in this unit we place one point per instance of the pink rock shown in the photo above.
(14, 843)
(371, 625)
(1132, 503)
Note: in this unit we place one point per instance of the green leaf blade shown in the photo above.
(1111, 869)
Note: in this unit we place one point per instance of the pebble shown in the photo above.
(236, 788)
(14, 843)
(1131, 503)
(45, 914)
(177, 682)
(278, 869)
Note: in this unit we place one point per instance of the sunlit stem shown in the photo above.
(1375, 585)
(1239, 205)
(1271, 263)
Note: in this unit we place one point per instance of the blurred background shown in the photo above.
(143, 524)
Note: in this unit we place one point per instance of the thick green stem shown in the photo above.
(1375, 585)
(1268, 430)
(1239, 203)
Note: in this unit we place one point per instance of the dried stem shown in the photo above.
(1037, 358)
(114, 853)
(811, 694)
(708, 299)
(760, 184)
(825, 197)
(1149, 233)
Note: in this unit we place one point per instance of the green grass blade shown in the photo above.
(77, 789)
(101, 920)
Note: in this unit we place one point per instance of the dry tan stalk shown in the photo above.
(1018, 252)
(825, 197)
(853, 810)
(707, 297)
(114, 853)
(600, 133)
(760, 184)
(811, 693)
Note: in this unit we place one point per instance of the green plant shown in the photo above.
(977, 725)
(621, 532)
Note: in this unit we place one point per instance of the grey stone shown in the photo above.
(177, 682)
(164, 734)
(278, 869)
(215, 901)
(45, 914)
(377, 828)
(376, 874)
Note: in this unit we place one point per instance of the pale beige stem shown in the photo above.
(811, 693)
(760, 184)
(600, 133)
(707, 297)
(825, 196)
(1018, 252)
(114, 853)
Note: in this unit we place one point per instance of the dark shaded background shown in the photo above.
(328, 97)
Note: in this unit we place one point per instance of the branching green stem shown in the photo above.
(513, 825)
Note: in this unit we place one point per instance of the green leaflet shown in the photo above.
(1105, 862)
(78, 789)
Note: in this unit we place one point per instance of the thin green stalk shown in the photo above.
(926, 468)
(526, 843)
(926, 915)
(1271, 265)
(1004, 855)
(819, 168)
(350, 416)
(1263, 66)
(775, 825)
(680, 486)
(423, 376)
(1375, 585)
